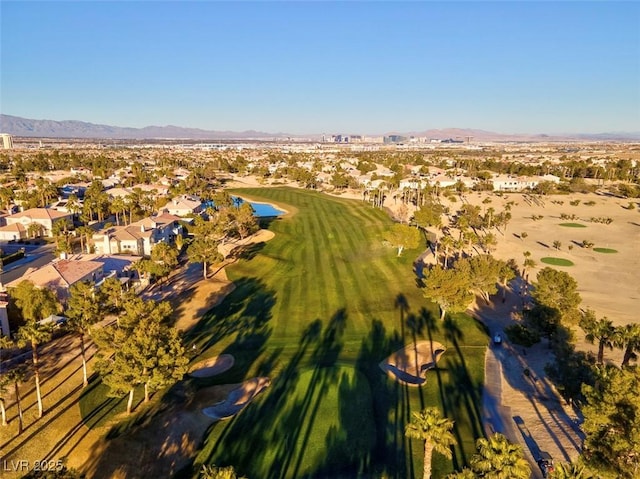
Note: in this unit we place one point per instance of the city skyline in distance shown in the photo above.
(309, 68)
(32, 128)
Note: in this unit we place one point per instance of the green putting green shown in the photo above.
(573, 225)
(605, 250)
(557, 261)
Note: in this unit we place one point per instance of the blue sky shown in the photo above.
(325, 67)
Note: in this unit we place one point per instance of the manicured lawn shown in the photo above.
(325, 293)
(316, 309)
(573, 225)
(325, 423)
(605, 250)
(556, 261)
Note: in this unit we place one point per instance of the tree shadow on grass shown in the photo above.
(162, 438)
(272, 438)
(391, 454)
(462, 395)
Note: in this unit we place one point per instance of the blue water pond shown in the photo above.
(262, 210)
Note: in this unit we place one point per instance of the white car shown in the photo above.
(497, 339)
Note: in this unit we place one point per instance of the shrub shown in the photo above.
(521, 335)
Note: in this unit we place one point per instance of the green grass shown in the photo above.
(557, 261)
(326, 292)
(605, 250)
(326, 423)
(573, 225)
(316, 309)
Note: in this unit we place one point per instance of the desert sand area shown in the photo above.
(608, 283)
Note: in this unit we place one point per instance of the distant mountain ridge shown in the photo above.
(26, 127)
(19, 126)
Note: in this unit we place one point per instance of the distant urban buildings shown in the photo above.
(7, 141)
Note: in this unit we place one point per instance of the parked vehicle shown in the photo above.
(545, 461)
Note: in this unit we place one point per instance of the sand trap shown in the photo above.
(212, 366)
(261, 236)
(410, 364)
(237, 399)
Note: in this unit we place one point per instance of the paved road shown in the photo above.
(36, 256)
(497, 416)
(525, 408)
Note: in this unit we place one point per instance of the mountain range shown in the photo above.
(25, 127)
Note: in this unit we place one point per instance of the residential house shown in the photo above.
(45, 217)
(58, 276)
(183, 206)
(118, 192)
(520, 183)
(13, 232)
(139, 237)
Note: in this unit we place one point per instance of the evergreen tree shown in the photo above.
(612, 422)
(449, 288)
(402, 236)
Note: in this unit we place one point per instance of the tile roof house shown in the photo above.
(58, 276)
(13, 232)
(43, 216)
(183, 206)
(139, 237)
(118, 192)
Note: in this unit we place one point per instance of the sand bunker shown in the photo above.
(212, 366)
(237, 399)
(410, 364)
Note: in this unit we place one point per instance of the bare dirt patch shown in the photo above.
(410, 364)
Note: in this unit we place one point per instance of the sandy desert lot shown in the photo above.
(609, 283)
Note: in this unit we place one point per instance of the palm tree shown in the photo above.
(45, 191)
(34, 304)
(447, 243)
(497, 458)
(435, 430)
(34, 334)
(83, 311)
(84, 233)
(600, 330)
(16, 376)
(464, 474)
(565, 470)
(117, 206)
(73, 205)
(628, 338)
(35, 230)
(215, 472)
(5, 343)
(7, 196)
(528, 263)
